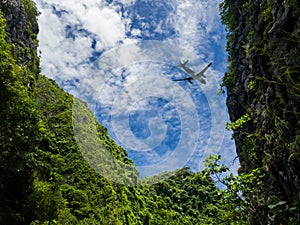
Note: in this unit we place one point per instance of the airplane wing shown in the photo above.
(201, 73)
(189, 79)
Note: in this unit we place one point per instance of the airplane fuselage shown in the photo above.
(193, 76)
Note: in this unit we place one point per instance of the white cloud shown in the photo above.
(88, 21)
(136, 32)
(128, 72)
(106, 23)
(197, 26)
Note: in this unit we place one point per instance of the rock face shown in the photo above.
(263, 81)
(17, 22)
(22, 29)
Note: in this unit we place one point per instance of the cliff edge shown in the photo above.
(263, 88)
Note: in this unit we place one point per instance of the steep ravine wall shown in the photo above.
(263, 81)
(22, 30)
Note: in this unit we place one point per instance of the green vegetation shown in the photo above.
(238, 123)
(262, 83)
(45, 179)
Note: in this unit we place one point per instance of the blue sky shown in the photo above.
(121, 57)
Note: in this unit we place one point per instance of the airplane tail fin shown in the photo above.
(183, 63)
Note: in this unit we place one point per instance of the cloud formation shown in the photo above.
(118, 56)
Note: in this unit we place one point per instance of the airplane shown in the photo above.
(199, 76)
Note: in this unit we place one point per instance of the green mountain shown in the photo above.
(45, 179)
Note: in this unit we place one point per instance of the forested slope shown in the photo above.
(44, 178)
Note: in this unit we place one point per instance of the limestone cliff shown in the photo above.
(263, 82)
(22, 30)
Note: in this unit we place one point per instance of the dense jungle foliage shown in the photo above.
(263, 99)
(44, 178)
